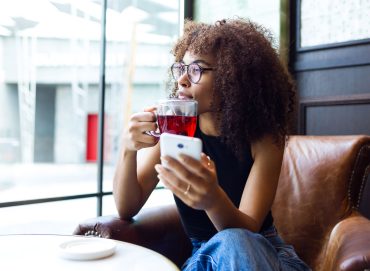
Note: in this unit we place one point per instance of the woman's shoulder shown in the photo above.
(267, 145)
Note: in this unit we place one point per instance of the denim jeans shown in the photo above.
(242, 250)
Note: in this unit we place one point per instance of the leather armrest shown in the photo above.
(348, 247)
(159, 229)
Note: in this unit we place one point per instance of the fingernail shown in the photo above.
(182, 158)
(164, 159)
(158, 168)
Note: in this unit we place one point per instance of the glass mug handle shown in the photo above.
(155, 133)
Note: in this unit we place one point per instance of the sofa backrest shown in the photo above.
(322, 180)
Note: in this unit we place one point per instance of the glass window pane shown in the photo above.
(49, 77)
(140, 35)
(264, 12)
(326, 21)
(55, 217)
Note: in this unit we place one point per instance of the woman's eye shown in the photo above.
(194, 70)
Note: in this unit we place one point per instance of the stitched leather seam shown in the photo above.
(351, 179)
(363, 181)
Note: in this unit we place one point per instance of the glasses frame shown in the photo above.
(187, 71)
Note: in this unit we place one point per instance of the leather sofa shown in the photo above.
(322, 207)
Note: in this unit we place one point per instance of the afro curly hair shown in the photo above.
(255, 90)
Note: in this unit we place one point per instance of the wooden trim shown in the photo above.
(337, 100)
(284, 31)
(297, 9)
(327, 101)
(189, 9)
(292, 35)
(301, 66)
(333, 45)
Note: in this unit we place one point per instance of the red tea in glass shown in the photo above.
(180, 125)
(176, 116)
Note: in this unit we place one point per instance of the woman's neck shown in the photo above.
(208, 124)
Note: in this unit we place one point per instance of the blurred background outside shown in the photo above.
(50, 57)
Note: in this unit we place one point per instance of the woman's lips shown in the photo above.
(183, 96)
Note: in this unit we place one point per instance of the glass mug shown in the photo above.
(176, 116)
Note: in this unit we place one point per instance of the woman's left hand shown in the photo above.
(193, 181)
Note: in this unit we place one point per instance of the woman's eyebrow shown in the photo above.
(201, 61)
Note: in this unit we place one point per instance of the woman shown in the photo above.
(245, 97)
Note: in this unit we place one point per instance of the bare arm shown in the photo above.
(135, 177)
(206, 194)
(258, 194)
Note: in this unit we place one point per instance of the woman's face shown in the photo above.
(202, 91)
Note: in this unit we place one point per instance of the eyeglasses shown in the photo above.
(193, 70)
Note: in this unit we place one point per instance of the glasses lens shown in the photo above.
(194, 72)
(177, 70)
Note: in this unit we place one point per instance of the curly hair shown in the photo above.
(255, 89)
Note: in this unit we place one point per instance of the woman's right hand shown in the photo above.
(135, 136)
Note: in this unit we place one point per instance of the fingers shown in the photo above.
(144, 117)
(190, 169)
(190, 180)
(206, 160)
(150, 109)
(142, 122)
(201, 169)
(136, 135)
(179, 170)
(170, 180)
(141, 127)
(137, 132)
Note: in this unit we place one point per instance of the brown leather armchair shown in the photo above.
(321, 205)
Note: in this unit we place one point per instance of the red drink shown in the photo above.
(180, 125)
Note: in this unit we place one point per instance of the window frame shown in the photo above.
(185, 11)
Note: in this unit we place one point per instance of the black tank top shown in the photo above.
(232, 174)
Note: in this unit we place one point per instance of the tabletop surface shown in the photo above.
(41, 252)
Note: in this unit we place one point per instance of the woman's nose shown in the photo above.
(184, 80)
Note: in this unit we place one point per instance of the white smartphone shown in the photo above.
(174, 145)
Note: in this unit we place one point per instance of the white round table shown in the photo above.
(42, 252)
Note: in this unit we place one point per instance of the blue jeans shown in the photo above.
(242, 250)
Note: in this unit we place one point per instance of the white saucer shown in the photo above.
(87, 249)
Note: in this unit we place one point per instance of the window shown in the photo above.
(264, 12)
(50, 65)
(324, 22)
